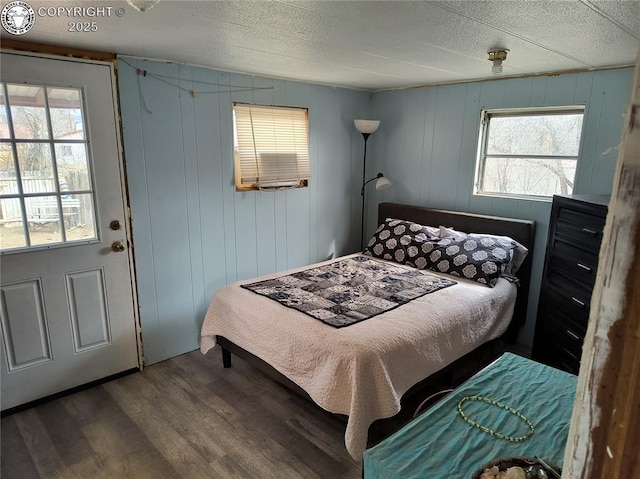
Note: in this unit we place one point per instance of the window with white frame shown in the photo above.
(271, 147)
(528, 153)
(46, 190)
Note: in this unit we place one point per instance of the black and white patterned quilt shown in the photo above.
(350, 290)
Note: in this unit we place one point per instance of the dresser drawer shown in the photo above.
(565, 360)
(554, 354)
(568, 334)
(569, 323)
(587, 219)
(579, 264)
(568, 296)
(588, 237)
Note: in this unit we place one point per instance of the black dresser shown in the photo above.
(571, 261)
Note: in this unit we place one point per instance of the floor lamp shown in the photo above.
(366, 127)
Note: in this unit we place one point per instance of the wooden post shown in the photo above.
(604, 438)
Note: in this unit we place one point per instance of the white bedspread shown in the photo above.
(361, 370)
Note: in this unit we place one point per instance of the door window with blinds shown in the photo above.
(271, 146)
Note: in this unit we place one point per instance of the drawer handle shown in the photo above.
(573, 335)
(584, 267)
(570, 354)
(577, 302)
(589, 231)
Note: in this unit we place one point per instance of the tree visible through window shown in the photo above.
(529, 153)
(46, 192)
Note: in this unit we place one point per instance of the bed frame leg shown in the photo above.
(226, 358)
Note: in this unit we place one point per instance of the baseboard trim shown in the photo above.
(66, 392)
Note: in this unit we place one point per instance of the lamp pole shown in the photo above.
(364, 182)
(366, 127)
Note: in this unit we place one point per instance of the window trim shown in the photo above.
(58, 193)
(300, 182)
(483, 134)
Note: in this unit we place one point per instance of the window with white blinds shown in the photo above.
(271, 146)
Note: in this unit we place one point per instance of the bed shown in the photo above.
(362, 371)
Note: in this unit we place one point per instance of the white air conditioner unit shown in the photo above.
(278, 170)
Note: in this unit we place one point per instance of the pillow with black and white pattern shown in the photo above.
(401, 241)
(519, 254)
(480, 258)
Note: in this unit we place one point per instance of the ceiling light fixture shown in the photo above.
(142, 5)
(497, 57)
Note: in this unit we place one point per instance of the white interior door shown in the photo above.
(67, 309)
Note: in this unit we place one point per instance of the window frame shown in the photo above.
(59, 194)
(277, 185)
(483, 136)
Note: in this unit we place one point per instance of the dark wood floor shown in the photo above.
(186, 417)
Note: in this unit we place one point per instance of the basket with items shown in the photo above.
(518, 468)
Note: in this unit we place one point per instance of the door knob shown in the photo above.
(118, 246)
(114, 225)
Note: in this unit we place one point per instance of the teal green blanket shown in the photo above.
(440, 444)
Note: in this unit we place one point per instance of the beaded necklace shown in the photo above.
(491, 431)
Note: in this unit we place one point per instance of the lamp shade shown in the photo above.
(383, 183)
(366, 126)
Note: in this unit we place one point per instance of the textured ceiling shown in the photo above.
(361, 44)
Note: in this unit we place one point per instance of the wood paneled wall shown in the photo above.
(427, 145)
(193, 233)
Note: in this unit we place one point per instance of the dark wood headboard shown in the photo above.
(523, 231)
